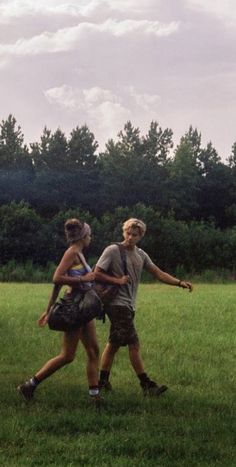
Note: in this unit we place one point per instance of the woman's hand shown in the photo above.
(43, 319)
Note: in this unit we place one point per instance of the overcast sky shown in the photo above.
(64, 63)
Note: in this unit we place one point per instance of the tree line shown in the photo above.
(187, 195)
(175, 245)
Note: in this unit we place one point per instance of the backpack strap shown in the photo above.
(122, 251)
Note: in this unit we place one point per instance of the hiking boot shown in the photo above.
(105, 385)
(150, 388)
(26, 390)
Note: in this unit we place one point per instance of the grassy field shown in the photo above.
(188, 343)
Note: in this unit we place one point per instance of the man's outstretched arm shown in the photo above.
(163, 276)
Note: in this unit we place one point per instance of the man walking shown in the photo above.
(121, 310)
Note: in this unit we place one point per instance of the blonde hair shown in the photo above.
(135, 224)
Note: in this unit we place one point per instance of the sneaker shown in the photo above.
(26, 390)
(150, 388)
(106, 385)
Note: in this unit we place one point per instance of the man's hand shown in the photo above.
(186, 285)
(123, 280)
(89, 277)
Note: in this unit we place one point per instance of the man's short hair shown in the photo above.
(136, 224)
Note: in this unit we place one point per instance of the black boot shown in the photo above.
(149, 387)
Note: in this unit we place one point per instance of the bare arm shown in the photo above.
(163, 276)
(60, 276)
(102, 276)
(44, 317)
(55, 292)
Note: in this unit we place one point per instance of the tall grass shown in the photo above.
(26, 272)
(14, 271)
(188, 342)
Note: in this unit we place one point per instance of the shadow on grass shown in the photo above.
(182, 427)
(73, 401)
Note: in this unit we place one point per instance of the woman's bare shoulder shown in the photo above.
(71, 254)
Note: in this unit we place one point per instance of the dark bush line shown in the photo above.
(26, 272)
(34, 273)
(28, 239)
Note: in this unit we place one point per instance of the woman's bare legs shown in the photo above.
(70, 341)
(69, 346)
(89, 340)
(67, 354)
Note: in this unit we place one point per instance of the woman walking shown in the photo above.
(74, 272)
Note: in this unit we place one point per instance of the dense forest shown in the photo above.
(187, 195)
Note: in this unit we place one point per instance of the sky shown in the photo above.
(66, 63)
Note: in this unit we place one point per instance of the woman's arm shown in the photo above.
(61, 277)
(44, 317)
(55, 292)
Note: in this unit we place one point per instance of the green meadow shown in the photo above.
(188, 342)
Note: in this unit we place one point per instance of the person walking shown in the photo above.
(74, 272)
(121, 310)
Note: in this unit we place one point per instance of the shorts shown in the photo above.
(122, 330)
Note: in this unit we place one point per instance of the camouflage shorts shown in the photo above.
(122, 330)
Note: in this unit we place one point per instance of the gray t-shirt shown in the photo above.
(137, 260)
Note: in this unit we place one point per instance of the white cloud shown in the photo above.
(133, 5)
(17, 9)
(63, 40)
(120, 28)
(68, 38)
(100, 108)
(144, 101)
(97, 95)
(66, 97)
(223, 9)
(94, 7)
(80, 99)
(109, 116)
(74, 98)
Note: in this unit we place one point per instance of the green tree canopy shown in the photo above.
(51, 152)
(14, 154)
(82, 148)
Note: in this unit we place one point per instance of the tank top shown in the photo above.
(79, 270)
